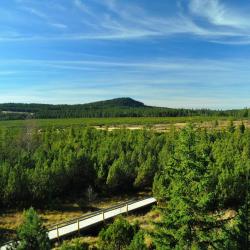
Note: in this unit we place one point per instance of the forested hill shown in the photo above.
(119, 107)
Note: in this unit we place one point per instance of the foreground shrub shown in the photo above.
(32, 234)
(118, 235)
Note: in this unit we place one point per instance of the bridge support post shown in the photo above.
(103, 216)
(57, 232)
(78, 226)
(127, 208)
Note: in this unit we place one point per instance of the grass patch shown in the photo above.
(143, 217)
(102, 122)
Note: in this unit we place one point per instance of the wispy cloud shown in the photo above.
(82, 6)
(134, 22)
(118, 20)
(223, 21)
(179, 82)
(35, 12)
(219, 14)
(40, 14)
(59, 25)
(187, 65)
(7, 73)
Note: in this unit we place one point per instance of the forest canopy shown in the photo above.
(197, 175)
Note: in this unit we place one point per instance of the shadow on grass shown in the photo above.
(6, 235)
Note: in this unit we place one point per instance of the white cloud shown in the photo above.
(59, 25)
(7, 73)
(118, 20)
(83, 7)
(35, 12)
(187, 65)
(43, 16)
(219, 14)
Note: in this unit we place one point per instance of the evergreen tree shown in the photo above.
(31, 234)
(242, 127)
(231, 127)
(117, 236)
(138, 242)
(185, 224)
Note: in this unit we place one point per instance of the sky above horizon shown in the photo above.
(172, 53)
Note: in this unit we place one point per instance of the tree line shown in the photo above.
(120, 107)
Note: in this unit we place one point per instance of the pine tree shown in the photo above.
(31, 233)
(242, 127)
(118, 235)
(138, 242)
(231, 127)
(185, 224)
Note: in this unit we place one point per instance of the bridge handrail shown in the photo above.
(92, 214)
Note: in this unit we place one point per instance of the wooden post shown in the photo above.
(57, 231)
(103, 216)
(127, 208)
(78, 226)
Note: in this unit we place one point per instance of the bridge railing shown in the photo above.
(93, 214)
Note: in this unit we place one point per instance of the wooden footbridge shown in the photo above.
(84, 222)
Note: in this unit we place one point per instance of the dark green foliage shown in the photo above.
(231, 127)
(206, 172)
(74, 246)
(36, 167)
(186, 199)
(31, 234)
(138, 242)
(196, 174)
(242, 127)
(240, 238)
(118, 235)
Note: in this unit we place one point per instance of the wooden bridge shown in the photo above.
(82, 223)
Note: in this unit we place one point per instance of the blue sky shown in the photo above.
(174, 53)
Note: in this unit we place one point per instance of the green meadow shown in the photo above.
(115, 121)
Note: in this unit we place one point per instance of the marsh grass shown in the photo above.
(59, 212)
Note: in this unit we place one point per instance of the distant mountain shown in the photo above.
(118, 107)
(124, 102)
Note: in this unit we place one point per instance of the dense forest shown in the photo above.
(197, 176)
(119, 107)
